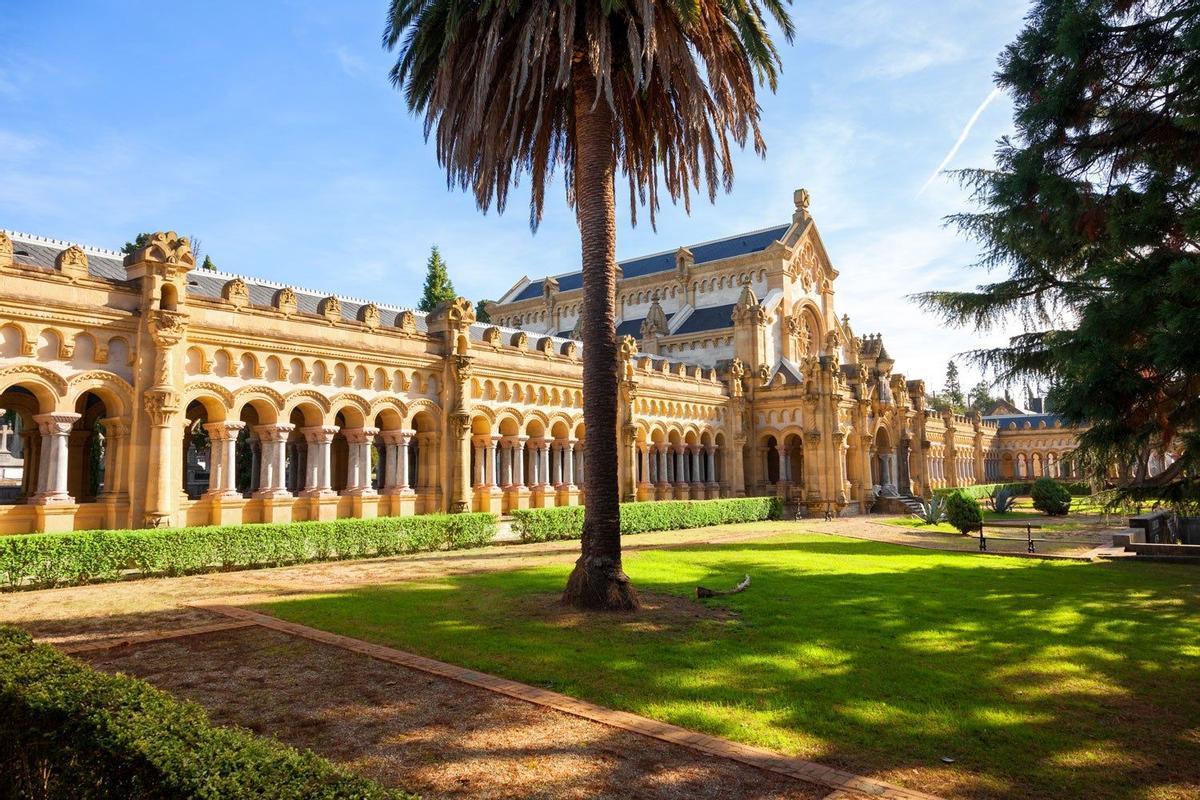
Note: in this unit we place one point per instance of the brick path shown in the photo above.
(846, 785)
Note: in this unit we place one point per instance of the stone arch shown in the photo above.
(44, 384)
(309, 400)
(50, 345)
(223, 363)
(425, 409)
(274, 369)
(84, 349)
(389, 405)
(267, 403)
(359, 409)
(194, 362)
(12, 340)
(113, 391)
(216, 399)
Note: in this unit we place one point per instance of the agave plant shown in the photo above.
(1001, 500)
(933, 511)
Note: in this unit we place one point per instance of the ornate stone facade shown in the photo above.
(149, 393)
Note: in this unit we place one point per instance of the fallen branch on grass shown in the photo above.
(741, 587)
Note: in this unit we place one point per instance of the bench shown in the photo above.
(1028, 538)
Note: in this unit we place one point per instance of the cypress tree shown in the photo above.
(438, 288)
(1091, 216)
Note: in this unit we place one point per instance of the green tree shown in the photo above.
(1092, 213)
(980, 397)
(481, 312)
(139, 241)
(953, 389)
(654, 89)
(208, 264)
(438, 288)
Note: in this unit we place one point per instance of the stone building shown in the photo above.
(146, 392)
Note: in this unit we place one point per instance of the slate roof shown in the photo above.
(708, 319)
(737, 245)
(1017, 421)
(39, 252)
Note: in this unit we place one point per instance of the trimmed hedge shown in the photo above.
(963, 512)
(983, 490)
(64, 559)
(70, 731)
(1051, 497)
(547, 524)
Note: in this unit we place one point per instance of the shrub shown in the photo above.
(933, 510)
(62, 559)
(547, 524)
(963, 512)
(1001, 500)
(67, 730)
(983, 490)
(1051, 497)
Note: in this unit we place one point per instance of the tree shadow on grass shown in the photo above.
(1041, 678)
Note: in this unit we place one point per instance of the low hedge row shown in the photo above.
(70, 731)
(1076, 488)
(547, 524)
(63, 559)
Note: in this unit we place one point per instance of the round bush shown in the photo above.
(963, 512)
(1050, 497)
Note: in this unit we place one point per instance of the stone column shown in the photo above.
(785, 463)
(557, 459)
(696, 464)
(317, 480)
(404, 479)
(480, 466)
(273, 461)
(644, 454)
(712, 463)
(223, 436)
(664, 474)
(358, 478)
(116, 431)
(544, 469)
(568, 455)
(55, 430)
(507, 451)
(490, 454)
(519, 459)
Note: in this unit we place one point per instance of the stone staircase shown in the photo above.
(914, 506)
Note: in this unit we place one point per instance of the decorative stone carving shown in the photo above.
(520, 339)
(72, 262)
(168, 327)
(331, 309)
(285, 301)
(569, 349)
(549, 288)
(406, 321)
(655, 323)
(164, 248)
(545, 346)
(368, 315)
(161, 405)
(748, 309)
(491, 337)
(236, 292)
(6, 250)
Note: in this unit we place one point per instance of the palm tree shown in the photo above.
(658, 88)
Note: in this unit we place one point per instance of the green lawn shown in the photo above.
(1042, 679)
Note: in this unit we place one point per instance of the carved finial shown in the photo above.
(236, 292)
(330, 308)
(72, 262)
(368, 315)
(164, 248)
(801, 198)
(655, 323)
(285, 300)
(6, 250)
(406, 321)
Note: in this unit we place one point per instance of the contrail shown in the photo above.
(962, 137)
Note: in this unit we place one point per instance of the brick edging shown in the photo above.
(155, 636)
(753, 756)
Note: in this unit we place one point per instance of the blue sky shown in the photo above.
(269, 131)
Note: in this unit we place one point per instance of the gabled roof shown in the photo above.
(737, 245)
(711, 318)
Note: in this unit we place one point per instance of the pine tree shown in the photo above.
(1092, 211)
(481, 312)
(208, 264)
(438, 288)
(953, 389)
(980, 397)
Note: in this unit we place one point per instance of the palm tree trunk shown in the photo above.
(598, 582)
